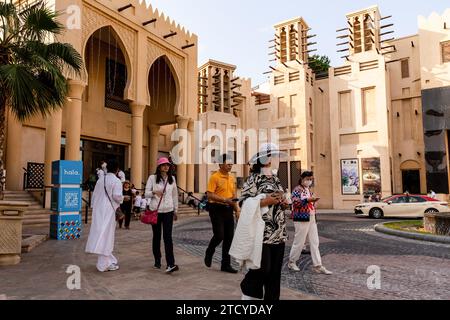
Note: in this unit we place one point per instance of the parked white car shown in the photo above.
(402, 206)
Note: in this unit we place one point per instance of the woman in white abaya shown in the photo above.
(102, 233)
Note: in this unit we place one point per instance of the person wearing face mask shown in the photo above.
(304, 216)
(264, 187)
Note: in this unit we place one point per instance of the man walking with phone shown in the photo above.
(222, 200)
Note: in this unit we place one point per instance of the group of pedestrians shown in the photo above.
(110, 194)
(258, 244)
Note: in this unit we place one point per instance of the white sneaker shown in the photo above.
(113, 267)
(293, 266)
(322, 270)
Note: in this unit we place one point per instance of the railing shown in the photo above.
(88, 205)
(184, 192)
(44, 195)
(25, 175)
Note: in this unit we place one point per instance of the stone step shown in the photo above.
(18, 195)
(15, 192)
(37, 222)
(37, 211)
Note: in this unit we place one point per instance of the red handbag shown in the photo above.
(151, 216)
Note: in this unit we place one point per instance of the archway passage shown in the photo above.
(163, 92)
(411, 181)
(108, 70)
(411, 176)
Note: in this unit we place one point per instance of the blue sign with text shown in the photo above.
(66, 199)
(67, 172)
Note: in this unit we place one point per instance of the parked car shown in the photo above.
(401, 206)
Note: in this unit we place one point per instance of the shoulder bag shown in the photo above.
(151, 216)
(119, 214)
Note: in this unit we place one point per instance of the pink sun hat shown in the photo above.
(162, 161)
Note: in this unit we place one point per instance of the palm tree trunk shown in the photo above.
(2, 146)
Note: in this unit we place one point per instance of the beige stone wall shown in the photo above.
(323, 170)
(432, 32)
(359, 120)
(221, 122)
(140, 46)
(405, 117)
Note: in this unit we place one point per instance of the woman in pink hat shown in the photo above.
(163, 185)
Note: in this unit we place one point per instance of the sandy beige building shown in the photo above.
(379, 123)
(139, 83)
(371, 126)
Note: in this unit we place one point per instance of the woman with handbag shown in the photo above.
(304, 216)
(162, 194)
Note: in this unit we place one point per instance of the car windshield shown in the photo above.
(387, 199)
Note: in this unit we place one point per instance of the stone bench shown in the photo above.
(437, 223)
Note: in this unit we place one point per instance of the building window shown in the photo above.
(292, 105)
(278, 79)
(116, 80)
(357, 33)
(283, 44)
(368, 106)
(281, 108)
(445, 51)
(293, 42)
(345, 110)
(405, 68)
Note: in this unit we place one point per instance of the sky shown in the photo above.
(238, 31)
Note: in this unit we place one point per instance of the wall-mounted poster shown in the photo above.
(350, 176)
(371, 176)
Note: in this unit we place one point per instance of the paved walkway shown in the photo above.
(42, 273)
(408, 269)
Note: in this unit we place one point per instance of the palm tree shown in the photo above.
(33, 66)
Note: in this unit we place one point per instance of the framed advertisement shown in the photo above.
(350, 177)
(371, 176)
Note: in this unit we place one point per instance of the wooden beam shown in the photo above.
(170, 35)
(188, 46)
(386, 26)
(124, 7)
(149, 21)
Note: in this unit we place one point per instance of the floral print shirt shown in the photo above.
(300, 196)
(275, 230)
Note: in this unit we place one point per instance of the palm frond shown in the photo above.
(7, 9)
(39, 21)
(30, 94)
(67, 54)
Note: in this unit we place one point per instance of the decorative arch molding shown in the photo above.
(410, 165)
(94, 20)
(176, 63)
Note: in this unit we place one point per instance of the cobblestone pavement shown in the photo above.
(349, 246)
(41, 275)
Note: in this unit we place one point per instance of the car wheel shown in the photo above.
(376, 213)
(432, 211)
